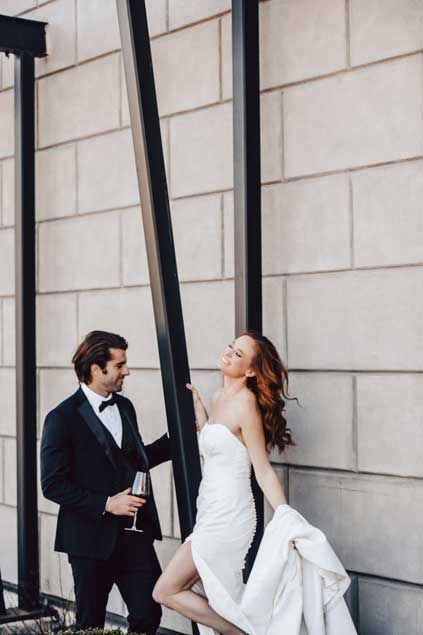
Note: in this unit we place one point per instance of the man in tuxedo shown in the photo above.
(91, 449)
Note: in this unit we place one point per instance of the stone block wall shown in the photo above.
(342, 159)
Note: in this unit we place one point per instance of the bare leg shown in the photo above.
(172, 590)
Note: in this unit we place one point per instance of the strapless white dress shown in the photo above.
(226, 517)
(289, 592)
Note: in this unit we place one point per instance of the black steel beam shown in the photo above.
(18, 35)
(160, 254)
(247, 189)
(26, 399)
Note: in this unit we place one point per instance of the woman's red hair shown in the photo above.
(270, 387)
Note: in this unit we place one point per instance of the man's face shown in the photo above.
(111, 378)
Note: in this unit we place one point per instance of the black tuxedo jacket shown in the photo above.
(79, 472)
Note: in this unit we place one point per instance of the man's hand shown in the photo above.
(123, 504)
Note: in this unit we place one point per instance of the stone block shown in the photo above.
(115, 603)
(8, 400)
(271, 136)
(60, 35)
(274, 314)
(144, 389)
(228, 235)
(10, 472)
(345, 320)
(388, 227)
(55, 385)
(322, 425)
(388, 608)
(2, 488)
(128, 312)
(390, 424)
(226, 55)
(134, 254)
(7, 138)
(289, 31)
(7, 270)
(209, 321)
(161, 480)
(7, 70)
(306, 225)
(55, 570)
(197, 230)
(156, 16)
(384, 28)
(8, 544)
(369, 116)
(71, 251)
(188, 11)
(195, 82)
(337, 503)
(300, 40)
(201, 151)
(8, 331)
(56, 329)
(8, 192)
(56, 182)
(97, 28)
(15, 7)
(171, 620)
(69, 101)
(107, 175)
(195, 222)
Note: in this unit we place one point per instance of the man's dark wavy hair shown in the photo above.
(95, 349)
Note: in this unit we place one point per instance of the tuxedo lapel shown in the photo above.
(97, 428)
(134, 429)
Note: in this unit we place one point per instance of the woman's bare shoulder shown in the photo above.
(245, 405)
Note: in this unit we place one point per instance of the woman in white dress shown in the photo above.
(246, 421)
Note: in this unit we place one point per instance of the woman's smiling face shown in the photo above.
(238, 357)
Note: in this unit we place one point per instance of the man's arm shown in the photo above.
(55, 471)
(159, 451)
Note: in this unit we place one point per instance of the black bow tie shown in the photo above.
(109, 402)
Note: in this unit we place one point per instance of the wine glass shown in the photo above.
(141, 489)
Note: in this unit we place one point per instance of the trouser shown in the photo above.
(134, 568)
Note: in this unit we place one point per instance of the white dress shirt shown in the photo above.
(110, 417)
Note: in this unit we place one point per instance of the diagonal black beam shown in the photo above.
(160, 254)
(247, 189)
(18, 35)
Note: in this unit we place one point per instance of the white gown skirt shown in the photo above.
(225, 522)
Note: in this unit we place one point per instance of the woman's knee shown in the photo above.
(161, 595)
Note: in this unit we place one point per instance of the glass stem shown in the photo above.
(134, 524)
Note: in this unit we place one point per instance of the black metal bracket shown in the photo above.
(18, 35)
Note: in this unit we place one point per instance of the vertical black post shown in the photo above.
(26, 401)
(247, 188)
(161, 254)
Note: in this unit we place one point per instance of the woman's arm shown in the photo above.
(201, 415)
(253, 435)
